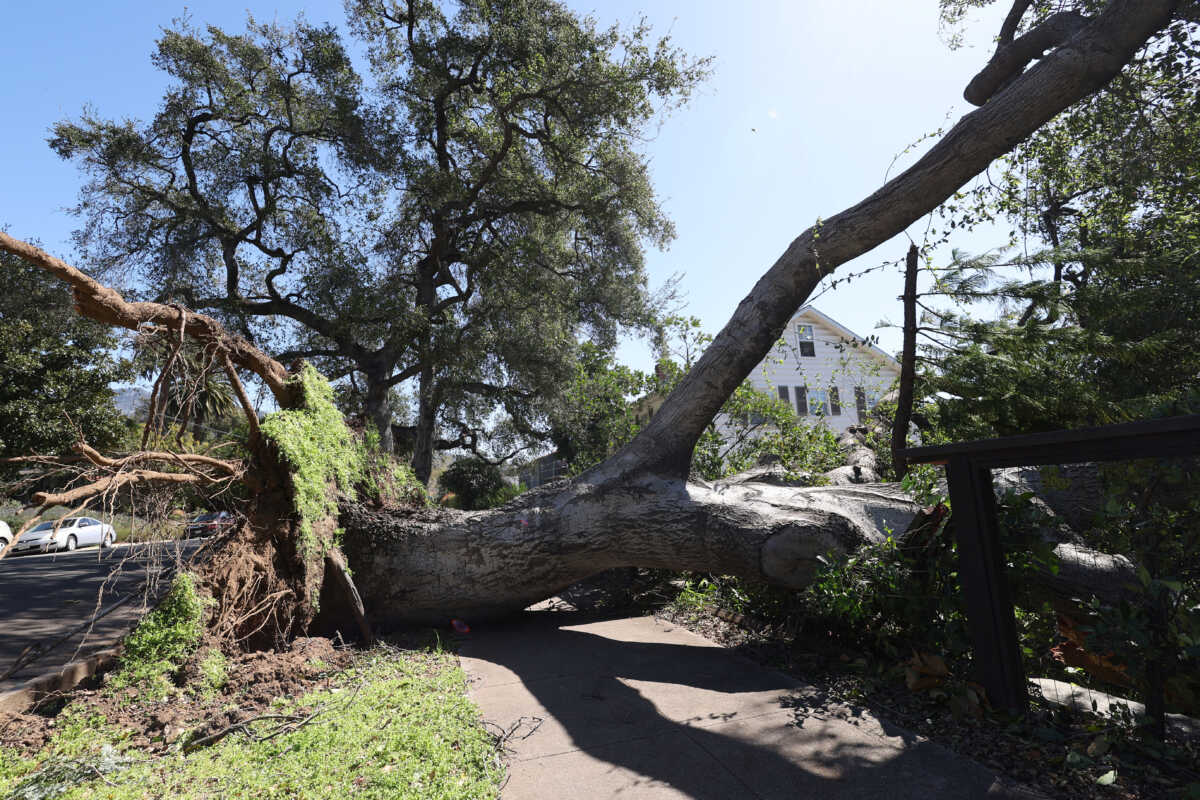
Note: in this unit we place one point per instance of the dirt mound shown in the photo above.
(251, 681)
(24, 733)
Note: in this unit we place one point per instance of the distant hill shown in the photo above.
(132, 401)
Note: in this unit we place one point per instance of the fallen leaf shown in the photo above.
(1108, 778)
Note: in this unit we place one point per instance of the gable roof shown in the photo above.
(813, 313)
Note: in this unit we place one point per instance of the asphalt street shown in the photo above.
(44, 598)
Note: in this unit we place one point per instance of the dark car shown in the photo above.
(210, 523)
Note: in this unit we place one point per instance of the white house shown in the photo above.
(825, 371)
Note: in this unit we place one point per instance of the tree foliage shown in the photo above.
(598, 412)
(608, 403)
(55, 368)
(1101, 325)
(397, 226)
(472, 481)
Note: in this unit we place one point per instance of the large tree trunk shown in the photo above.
(637, 508)
(432, 567)
(379, 411)
(426, 427)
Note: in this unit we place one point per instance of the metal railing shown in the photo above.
(989, 605)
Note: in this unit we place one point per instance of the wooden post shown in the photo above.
(981, 574)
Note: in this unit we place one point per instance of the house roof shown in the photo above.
(814, 313)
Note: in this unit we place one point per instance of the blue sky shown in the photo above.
(808, 105)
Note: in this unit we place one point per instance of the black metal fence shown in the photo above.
(986, 587)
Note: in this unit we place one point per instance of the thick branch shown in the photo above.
(103, 304)
(1011, 22)
(1012, 57)
(1075, 70)
(113, 482)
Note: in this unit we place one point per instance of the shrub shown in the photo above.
(472, 481)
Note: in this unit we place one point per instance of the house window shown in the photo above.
(818, 402)
(802, 400)
(783, 395)
(835, 406)
(804, 340)
(864, 401)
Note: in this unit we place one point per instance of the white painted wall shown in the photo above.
(834, 363)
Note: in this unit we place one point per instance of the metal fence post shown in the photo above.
(981, 574)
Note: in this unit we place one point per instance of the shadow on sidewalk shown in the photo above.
(646, 707)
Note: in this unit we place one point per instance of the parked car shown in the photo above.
(210, 524)
(66, 534)
(5, 534)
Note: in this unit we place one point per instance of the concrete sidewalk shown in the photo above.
(640, 708)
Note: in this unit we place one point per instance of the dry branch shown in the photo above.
(114, 482)
(231, 468)
(104, 304)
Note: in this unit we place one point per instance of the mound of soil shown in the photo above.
(253, 681)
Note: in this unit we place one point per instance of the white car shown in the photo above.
(5, 534)
(66, 534)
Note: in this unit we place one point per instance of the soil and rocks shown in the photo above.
(253, 681)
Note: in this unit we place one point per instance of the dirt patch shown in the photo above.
(25, 733)
(251, 681)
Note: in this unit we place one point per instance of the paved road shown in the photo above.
(44, 596)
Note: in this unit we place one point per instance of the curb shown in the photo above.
(63, 679)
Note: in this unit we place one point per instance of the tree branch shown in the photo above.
(1011, 57)
(240, 391)
(113, 482)
(94, 456)
(1071, 73)
(103, 304)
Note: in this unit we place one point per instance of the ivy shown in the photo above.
(319, 450)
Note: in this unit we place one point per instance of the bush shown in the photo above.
(473, 482)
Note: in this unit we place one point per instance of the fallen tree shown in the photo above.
(637, 508)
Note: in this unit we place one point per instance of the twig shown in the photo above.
(506, 734)
(291, 723)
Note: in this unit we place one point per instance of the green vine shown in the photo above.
(320, 451)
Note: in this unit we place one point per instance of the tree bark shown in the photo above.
(908, 366)
(432, 567)
(422, 454)
(379, 412)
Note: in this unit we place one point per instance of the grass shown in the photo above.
(397, 724)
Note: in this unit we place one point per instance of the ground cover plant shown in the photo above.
(316, 722)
